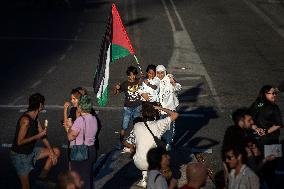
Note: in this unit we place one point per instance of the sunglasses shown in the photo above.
(273, 93)
(229, 157)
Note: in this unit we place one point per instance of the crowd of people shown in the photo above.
(246, 162)
(150, 105)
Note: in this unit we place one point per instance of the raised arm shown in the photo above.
(172, 114)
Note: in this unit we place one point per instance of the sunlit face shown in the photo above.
(231, 159)
(74, 101)
(271, 95)
(165, 162)
(248, 121)
(151, 74)
(131, 77)
(161, 74)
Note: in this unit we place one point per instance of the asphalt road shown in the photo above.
(221, 52)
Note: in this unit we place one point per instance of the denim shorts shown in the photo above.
(129, 114)
(24, 163)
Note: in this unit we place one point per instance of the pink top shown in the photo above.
(90, 130)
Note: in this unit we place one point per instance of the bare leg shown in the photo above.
(45, 153)
(25, 181)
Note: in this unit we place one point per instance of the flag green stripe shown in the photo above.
(103, 99)
(118, 52)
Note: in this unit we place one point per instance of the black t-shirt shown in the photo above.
(265, 116)
(132, 97)
(32, 131)
(72, 113)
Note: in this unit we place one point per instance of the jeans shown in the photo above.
(168, 136)
(24, 163)
(130, 113)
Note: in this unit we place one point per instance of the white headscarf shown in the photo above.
(161, 68)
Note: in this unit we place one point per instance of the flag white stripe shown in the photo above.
(105, 79)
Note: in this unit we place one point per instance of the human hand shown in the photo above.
(260, 131)
(145, 96)
(270, 157)
(146, 81)
(172, 80)
(53, 158)
(66, 105)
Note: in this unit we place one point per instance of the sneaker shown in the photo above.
(125, 150)
(142, 183)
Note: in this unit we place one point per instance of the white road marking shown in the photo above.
(54, 107)
(25, 109)
(185, 54)
(36, 84)
(266, 19)
(51, 69)
(6, 145)
(187, 78)
(62, 57)
(182, 137)
(202, 150)
(45, 39)
(16, 100)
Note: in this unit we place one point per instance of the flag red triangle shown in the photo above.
(120, 36)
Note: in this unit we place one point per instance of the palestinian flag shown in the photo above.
(115, 45)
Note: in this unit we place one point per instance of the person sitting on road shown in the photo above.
(29, 130)
(144, 139)
(196, 174)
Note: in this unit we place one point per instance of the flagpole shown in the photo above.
(138, 64)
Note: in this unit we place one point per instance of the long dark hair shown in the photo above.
(154, 157)
(260, 100)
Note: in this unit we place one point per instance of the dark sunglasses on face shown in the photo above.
(273, 93)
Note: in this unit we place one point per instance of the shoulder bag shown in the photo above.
(80, 152)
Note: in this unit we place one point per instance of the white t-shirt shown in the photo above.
(167, 93)
(152, 93)
(145, 141)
